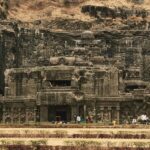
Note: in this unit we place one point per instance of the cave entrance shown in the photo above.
(61, 116)
(59, 113)
(130, 88)
(60, 83)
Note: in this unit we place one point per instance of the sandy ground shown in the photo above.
(64, 141)
(70, 130)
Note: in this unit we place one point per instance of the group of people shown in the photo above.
(77, 119)
(143, 119)
(89, 119)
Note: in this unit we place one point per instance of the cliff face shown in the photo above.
(76, 15)
(112, 33)
(27, 10)
(44, 26)
(121, 22)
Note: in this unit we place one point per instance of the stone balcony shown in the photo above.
(18, 98)
(58, 96)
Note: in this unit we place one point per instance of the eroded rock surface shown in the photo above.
(52, 69)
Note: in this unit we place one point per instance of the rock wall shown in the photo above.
(106, 62)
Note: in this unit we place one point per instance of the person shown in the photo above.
(75, 117)
(114, 122)
(134, 121)
(144, 118)
(78, 119)
(87, 119)
(91, 119)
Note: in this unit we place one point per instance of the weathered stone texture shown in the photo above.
(103, 73)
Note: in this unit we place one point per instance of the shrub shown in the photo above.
(60, 133)
(39, 142)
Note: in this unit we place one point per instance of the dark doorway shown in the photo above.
(130, 88)
(60, 83)
(59, 113)
(61, 116)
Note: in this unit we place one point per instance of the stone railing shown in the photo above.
(58, 97)
(19, 98)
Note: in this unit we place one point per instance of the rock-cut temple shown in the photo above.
(48, 75)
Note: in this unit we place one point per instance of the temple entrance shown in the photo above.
(59, 113)
(61, 116)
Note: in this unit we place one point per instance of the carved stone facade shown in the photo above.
(52, 76)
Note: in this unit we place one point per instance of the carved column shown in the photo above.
(38, 85)
(12, 114)
(102, 113)
(18, 85)
(109, 113)
(84, 107)
(73, 112)
(35, 110)
(4, 111)
(44, 113)
(27, 119)
(118, 114)
(19, 116)
(24, 86)
(95, 111)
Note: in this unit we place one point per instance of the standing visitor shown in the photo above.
(78, 119)
(75, 118)
(134, 121)
(87, 119)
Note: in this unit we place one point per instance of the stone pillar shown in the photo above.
(109, 113)
(4, 111)
(35, 110)
(24, 86)
(95, 111)
(102, 113)
(19, 115)
(73, 112)
(38, 85)
(12, 115)
(118, 114)
(43, 113)
(84, 107)
(27, 120)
